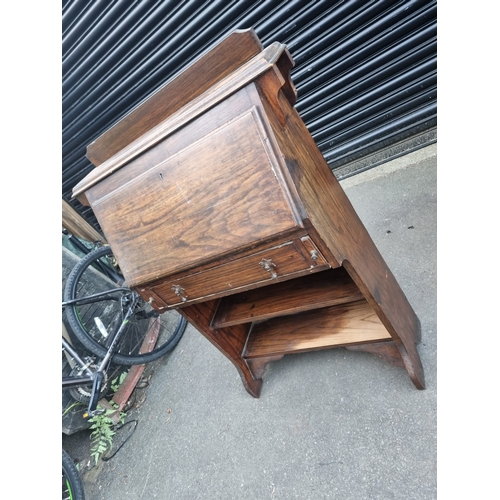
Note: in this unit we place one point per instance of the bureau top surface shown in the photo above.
(135, 134)
(227, 56)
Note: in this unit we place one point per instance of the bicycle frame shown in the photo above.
(106, 270)
(96, 377)
(73, 382)
(96, 297)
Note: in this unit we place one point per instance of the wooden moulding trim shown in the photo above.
(217, 93)
(210, 67)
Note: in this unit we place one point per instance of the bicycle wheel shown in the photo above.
(99, 272)
(72, 486)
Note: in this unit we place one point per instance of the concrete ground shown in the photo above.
(329, 424)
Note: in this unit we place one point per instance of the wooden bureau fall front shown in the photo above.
(217, 202)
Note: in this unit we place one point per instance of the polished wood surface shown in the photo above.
(244, 204)
(266, 61)
(311, 292)
(222, 206)
(341, 325)
(331, 213)
(287, 261)
(199, 77)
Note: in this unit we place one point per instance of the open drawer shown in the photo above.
(287, 260)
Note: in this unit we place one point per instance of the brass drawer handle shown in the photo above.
(268, 265)
(178, 290)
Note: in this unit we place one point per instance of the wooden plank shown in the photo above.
(77, 225)
(315, 291)
(128, 386)
(206, 71)
(220, 92)
(349, 324)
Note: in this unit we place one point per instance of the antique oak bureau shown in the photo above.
(217, 202)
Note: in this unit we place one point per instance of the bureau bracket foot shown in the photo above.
(387, 351)
(252, 386)
(397, 356)
(258, 366)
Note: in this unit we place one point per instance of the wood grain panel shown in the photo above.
(353, 323)
(318, 290)
(217, 195)
(226, 57)
(331, 213)
(201, 126)
(288, 259)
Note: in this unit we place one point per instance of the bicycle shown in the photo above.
(113, 323)
(88, 380)
(72, 486)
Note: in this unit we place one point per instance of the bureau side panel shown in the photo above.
(334, 218)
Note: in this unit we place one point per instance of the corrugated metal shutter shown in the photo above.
(365, 71)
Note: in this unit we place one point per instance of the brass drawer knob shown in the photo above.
(269, 265)
(178, 290)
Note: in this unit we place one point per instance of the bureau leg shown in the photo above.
(383, 293)
(229, 340)
(412, 363)
(253, 387)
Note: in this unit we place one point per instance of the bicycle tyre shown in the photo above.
(88, 277)
(72, 485)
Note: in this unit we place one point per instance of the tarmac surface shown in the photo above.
(332, 424)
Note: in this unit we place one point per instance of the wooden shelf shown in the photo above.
(342, 325)
(314, 291)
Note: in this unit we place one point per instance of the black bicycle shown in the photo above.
(113, 323)
(72, 486)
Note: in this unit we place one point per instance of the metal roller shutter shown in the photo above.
(365, 73)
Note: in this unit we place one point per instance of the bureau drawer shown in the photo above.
(274, 264)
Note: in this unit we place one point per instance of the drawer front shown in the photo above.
(274, 264)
